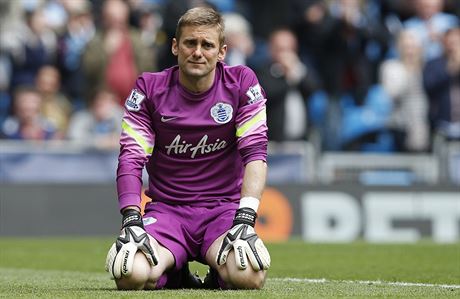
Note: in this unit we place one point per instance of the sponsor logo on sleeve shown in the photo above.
(222, 113)
(133, 103)
(255, 94)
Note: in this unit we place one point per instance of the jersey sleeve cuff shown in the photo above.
(129, 190)
(254, 152)
(126, 200)
(260, 157)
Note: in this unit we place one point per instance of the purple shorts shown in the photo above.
(188, 231)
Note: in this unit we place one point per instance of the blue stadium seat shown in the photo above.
(5, 103)
(367, 120)
(317, 108)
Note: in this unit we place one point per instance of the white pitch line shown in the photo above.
(369, 282)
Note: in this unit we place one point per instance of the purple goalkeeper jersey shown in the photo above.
(193, 146)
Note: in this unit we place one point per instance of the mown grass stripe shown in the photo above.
(368, 282)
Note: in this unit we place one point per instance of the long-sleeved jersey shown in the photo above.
(194, 146)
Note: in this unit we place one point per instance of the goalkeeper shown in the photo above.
(199, 129)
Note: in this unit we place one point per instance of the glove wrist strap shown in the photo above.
(245, 216)
(132, 217)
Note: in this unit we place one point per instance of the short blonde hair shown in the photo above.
(202, 16)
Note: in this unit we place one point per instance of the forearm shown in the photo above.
(255, 175)
(242, 238)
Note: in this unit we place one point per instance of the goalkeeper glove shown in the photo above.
(133, 237)
(245, 242)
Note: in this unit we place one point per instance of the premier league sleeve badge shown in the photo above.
(133, 103)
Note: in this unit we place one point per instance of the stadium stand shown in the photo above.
(349, 136)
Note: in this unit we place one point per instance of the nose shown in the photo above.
(197, 52)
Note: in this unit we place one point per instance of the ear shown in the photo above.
(174, 47)
(222, 53)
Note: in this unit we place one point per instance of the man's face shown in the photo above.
(428, 8)
(452, 42)
(27, 106)
(198, 51)
(282, 42)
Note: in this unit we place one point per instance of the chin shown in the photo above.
(196, 72)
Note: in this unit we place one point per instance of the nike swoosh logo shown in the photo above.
(166, 119)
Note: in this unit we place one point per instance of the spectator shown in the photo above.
(100, 126)
(5, 99)
(147, 17)
(430, 23)
(29, 45)
(116, 55)
(240, 45)
(55, 107)
(442, 82)
(55, 14)
(401, 78)
(149, 23)
(27, 122)
(312, 24)
(267, 16)
(79, 30)
(287, 82)
(352, 50)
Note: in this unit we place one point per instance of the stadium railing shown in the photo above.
(290, 162)
(448, 153)
(378, 169)
(55, 161)
(68, 161)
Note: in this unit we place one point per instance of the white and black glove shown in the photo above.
(244, 241)
(133, 237)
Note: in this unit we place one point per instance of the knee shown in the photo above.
(243, 279)
(142, 277)
(248, 279)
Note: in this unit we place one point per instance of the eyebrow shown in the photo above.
(195, 39)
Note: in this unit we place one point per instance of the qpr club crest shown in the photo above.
(222, 113)
(133, 103)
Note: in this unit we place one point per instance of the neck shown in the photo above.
(412, 61)
(197, 84)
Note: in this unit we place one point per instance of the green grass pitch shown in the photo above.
(73, 268)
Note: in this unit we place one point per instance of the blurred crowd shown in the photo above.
(376, 75)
